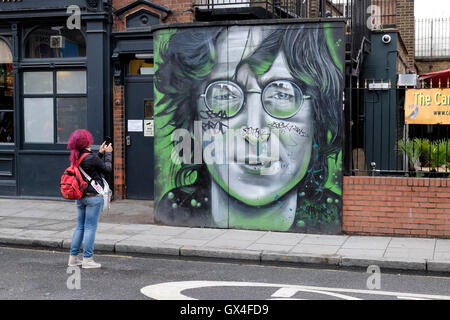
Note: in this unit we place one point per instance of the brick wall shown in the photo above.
(405, 25)
(414, 207)
(119, 144)
(181, 13)
(425, 66)
(402, 58)
(313, 9)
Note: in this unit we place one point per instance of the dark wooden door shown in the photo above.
(139, 166)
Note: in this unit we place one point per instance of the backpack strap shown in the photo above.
(97, 187)
(81, 159)
(81, 169)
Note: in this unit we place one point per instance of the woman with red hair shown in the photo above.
(90, 206)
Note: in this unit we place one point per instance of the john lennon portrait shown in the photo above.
(248, 126)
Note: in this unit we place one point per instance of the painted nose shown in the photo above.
(256, 130)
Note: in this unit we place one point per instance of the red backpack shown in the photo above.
(72, 185)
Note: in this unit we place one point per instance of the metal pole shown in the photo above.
(431, 39)
(322, 8)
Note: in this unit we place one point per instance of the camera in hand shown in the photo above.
(108, 141)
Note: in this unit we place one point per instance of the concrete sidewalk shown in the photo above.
(128, 228)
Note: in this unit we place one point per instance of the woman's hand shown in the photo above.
(102, 147)
(105, 148)
(108, 148)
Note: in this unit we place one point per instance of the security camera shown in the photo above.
(386, 39)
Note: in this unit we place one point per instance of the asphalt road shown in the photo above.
(28, 274)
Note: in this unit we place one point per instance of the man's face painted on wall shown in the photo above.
(267, 112)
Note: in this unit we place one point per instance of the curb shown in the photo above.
(237, 254)
(438, 266)
(170, 250)
(405, 264)
(35, 242)
(249, 255)
(301, 258)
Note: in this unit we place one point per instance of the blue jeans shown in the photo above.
(88, 213)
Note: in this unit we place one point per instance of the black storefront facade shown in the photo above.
(55, 77)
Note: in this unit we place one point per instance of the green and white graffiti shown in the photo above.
(249, 126)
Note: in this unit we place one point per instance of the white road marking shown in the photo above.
(173, 290)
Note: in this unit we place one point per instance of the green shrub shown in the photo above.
(426, 153)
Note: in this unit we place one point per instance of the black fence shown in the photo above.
(356, 11)
(273, 8)
(296, 8)
(432, 38)
(383, 144)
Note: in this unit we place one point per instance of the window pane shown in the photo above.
(55, 42)
(6, 78)
(71, 115)
(5, 53)
(38, 120)
(148, 109)
(6, 126)
(71, 81)
(37, 82)
(6, 94)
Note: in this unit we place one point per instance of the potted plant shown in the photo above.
(413, 150)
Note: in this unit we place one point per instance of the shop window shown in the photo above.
(55, 104)
(141, 67)
(6, 94)
(71, 115)
(55, 42)
(38, 115)
(38, 82)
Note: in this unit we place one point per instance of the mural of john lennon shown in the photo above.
(278, 90)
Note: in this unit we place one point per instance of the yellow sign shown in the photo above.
(427, 106)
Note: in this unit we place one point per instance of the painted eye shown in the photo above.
(282, 96)
(224, 97)
(282, 99)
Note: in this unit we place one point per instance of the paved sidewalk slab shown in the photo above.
(442, 256)
(230, 243)
(412, 243)
(270, 247)
(363, 253)
(315, 248)
(201, 234)
(281, 238)
(409, 253)
(10, 231)
(371, 243)
(442, 245)
(51, 224)
(324, 240)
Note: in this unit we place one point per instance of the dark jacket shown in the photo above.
(96, 166)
